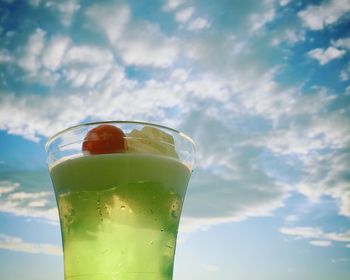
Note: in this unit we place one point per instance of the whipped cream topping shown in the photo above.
(151, 140)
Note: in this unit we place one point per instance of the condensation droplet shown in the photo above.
(173, 214)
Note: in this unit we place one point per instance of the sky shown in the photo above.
(263, 88)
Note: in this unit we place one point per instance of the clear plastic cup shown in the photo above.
(119, 208)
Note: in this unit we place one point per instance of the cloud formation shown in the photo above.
(52, 57)
(138, 43)
(184, 15)
(321, 243)
(259, 140)
(14, 243)
(319, 237)
(33, 51)
(27, 204)
(198, 24)
(324, 56)
(345, 73)
(317, 17)
(172, 4)
(65, 9)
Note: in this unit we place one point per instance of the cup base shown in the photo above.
(124, 276)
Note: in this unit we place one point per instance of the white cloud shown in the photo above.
(328, 13)
(147, 47)
(26, 204)
(345, 73)
(321, 238)
(266, 97)
(259, 20)
(307, 189)
(110, 19)
(27, 109)
(87, 77)
(81, 65)
(86, 66)
(112, 97)
(302, 232)
(326, 55)
(294, 36)
(284, 2)
(289, 35)
(5, 57)
(31, 59)
(172, 5)
(198, 23)
(340, 237)
(180, 75)
(66, 9)
(342, 43)
(340, 192)
(319, 143)
(54, 51)
(184, 15)
(17, 244)
(321, 243)
(7, 187)
(207, 87)
(36, 55)
(138, 43)
(336, 50)
(326, 175)
(38, 203)
(228, 206)
(19, 196)
(85, 54)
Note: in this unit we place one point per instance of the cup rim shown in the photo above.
(57, 134)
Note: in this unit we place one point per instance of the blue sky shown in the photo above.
(263, 87)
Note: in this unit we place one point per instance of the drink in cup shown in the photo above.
(120, 188)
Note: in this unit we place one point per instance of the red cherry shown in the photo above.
(104, 139)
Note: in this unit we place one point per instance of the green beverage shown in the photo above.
(119, 212)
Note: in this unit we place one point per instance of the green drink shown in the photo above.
(120, 212)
